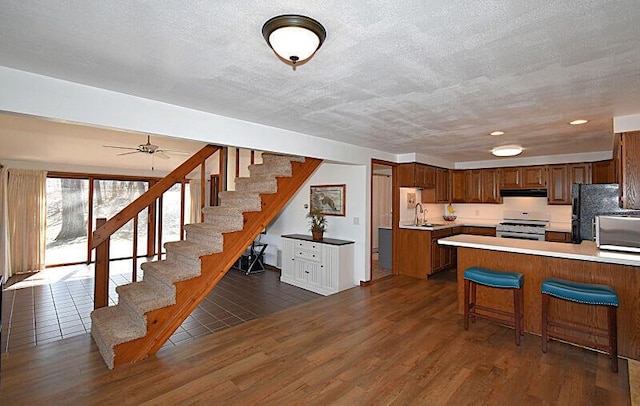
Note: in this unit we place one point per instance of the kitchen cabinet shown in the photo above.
(473, 188)
(561, 177)
(441, 255)
(510, 178)
(442, 185)
(629, 171)
(458, 186)
(416, 175)
(476, 230)
(534, 177)
(558, 191)
(414, 252)
(557, 236)
(524, 177)
(603, 172)
(491, 186)
(323, 267)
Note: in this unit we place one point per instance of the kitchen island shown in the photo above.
(538, 260)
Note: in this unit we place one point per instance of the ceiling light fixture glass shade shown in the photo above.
(578, 122)
(294, 38)
(497, 133)
(507, 150)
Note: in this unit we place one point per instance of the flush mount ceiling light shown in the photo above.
(294, 38)
(578, 122)
(497, 133)
(507, 150)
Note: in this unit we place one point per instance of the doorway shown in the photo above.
(382, 183)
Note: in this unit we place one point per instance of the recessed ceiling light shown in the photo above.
(507, 150)
(578, 122)
(497, 133)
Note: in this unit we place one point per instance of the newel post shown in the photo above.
(101, 284)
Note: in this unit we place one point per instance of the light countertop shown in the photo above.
(441, 224)
(586, 251)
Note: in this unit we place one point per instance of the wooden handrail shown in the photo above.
(102, 233)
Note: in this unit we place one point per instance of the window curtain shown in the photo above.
(26, 215)
(381, 207)
(195, 204)
(5, 257)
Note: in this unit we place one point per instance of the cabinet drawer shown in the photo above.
(307, 255)
(308, 246)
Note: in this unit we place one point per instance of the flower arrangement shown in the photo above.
(317, 223)
(450, 216)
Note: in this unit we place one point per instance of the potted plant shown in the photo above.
(317, 223)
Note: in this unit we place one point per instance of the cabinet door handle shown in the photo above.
(306, 271)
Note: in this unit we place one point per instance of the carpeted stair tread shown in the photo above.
(212, 229)
(222, 211)
(111, 326)
(247, 201)
(169, 272)
(268, 157)
(144, 296)
(190, 249)
(252, 185)
(272, 169)
(259, 178)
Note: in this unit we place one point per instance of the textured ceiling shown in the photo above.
(400, 76)
(50, 142)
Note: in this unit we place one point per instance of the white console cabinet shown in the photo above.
(324, 267)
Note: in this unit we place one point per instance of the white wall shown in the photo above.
(292, 219)
(42, 96)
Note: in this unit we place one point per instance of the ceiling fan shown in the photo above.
(148, 148)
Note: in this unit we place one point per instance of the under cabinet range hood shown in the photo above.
(523, 192)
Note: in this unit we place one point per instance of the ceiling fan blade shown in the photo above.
(114, 146)
(176, 152)
(129, 153)
(161, 154)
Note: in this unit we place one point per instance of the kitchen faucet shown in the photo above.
(416, 212)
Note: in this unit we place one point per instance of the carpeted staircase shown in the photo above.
(149, 311)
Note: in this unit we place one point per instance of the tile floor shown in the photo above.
(55, 303)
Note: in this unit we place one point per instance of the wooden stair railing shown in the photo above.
(161, 323)
(104, 229)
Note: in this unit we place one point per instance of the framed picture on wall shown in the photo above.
(329, 199)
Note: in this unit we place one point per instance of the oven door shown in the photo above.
(519, 236)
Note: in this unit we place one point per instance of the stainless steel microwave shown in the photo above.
(620, 233)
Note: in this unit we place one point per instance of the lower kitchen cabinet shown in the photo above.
(557, 236)
(323, 267)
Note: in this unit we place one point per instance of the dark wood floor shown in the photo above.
(397, 341)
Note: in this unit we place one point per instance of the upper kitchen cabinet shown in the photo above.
(441, 192)
(442, 185)
(510, 178)
(629, 169)
(534, 177)
(603, 172)
(561, 177)
(458, 186)
(473, 188)
(416, 175)
(524, 177)
(491, 186)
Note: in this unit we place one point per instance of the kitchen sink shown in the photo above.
(432, 224)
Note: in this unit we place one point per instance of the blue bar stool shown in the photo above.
(495, 279)
(587, 293)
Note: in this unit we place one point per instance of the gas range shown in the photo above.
(523, 225)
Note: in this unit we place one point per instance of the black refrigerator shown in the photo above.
(588, 201)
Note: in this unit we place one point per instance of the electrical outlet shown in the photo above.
(356, 221)
(477, 213)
